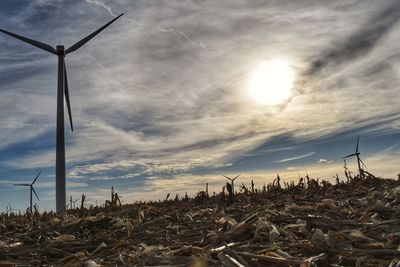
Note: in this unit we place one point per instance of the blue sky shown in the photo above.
(159, 98)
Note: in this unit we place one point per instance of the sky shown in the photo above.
(160, 99)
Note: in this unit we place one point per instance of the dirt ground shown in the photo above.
(311, 223)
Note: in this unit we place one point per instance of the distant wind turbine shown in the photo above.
(71, 201)
(359, 161)
(232, 181)
(32, 189)
(9, 209)
(62, 90)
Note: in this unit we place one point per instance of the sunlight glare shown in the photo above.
(271, 83)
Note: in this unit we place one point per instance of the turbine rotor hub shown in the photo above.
(60, 50)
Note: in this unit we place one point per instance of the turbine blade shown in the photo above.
(66, 92)
(358, 140)
(90, 36)
(37, 176)
(230, 179)
(22, 184)
(38, 44)
(363, 163)
(236, 177)
(33, 189)
(348, 156)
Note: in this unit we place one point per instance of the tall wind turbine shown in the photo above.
(32, 189)
(359, 161)
(62, 89)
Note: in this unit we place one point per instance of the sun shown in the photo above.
(271, 82)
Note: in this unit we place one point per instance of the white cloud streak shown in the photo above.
(296, 157)
(325, 161)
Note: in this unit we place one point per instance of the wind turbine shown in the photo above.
(32, 189)
(71, 201)
(359, 161)
(232, 181)
(9, 209)
(62, 89)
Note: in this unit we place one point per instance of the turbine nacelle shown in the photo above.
(60, 50)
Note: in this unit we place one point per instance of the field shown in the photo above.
(310, 223)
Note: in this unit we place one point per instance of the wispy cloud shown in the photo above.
(191, 107)
(103, 5)
(40, 184)
(325, 161)
(296, 157)
(362, 40)
(130, 104)
(162, 92)
(390, 148)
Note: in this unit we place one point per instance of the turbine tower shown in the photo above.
(62, 89)
(359, 161)
(32, 189)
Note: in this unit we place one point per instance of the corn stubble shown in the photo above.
(309, 223)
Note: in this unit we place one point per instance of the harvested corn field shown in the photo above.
(353, 223)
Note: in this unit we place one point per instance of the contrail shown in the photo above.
(160, 29)
(184, 35)
(297, 157)
(101, 4)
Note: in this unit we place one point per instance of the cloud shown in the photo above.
(325, 161)
(390, 148)
(296, 157)
(101, 4)
(41, 184)
(361, 41)
(162, 92)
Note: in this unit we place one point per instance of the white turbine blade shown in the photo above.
(38, 44)
(90, 36)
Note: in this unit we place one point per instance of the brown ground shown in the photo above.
(309, 224)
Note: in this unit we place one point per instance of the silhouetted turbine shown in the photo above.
(32, 189)
(359, 161)
(232, 181)
(62, 89)
(71, 201)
